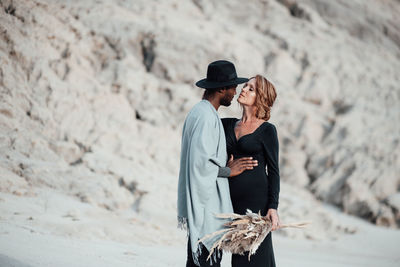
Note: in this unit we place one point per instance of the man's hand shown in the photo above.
(272, 214)
(238, 166)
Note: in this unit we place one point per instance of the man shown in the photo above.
(203, 188)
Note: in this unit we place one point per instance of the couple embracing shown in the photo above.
(223, 163)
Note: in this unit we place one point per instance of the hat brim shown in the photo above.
(215, 85)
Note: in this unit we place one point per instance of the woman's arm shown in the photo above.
(271, 151)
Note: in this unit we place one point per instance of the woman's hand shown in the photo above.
(272, 215)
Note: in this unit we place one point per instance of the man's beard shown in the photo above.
(226, 101)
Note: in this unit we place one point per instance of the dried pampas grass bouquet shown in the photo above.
(244, 233)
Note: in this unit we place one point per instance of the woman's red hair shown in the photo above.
(265, 97)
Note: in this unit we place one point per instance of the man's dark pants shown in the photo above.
(202, 258)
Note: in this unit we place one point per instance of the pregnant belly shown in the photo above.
(249, 190)
(250, 184)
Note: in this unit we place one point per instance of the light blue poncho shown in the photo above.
(201, 194)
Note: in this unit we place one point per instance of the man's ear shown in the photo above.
(222, 90)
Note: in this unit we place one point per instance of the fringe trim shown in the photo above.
(182, 223)
(214, 258)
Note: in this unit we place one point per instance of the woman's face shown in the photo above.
(247, 95)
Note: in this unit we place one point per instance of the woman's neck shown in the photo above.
(249, 114)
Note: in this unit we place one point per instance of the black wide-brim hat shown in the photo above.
(220, 73)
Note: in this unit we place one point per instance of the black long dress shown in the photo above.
(255, 189)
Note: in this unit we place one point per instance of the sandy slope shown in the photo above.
(22, 247)
(66, 232)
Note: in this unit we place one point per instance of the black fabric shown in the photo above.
(264, 256)
(220, 73)
(202, 258)
(255, 189)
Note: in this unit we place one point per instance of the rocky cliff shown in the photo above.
(94, 94)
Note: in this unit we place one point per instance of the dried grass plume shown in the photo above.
(244, 233)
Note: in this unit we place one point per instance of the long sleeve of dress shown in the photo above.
(271, 151)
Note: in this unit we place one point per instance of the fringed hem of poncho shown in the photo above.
(183, 225)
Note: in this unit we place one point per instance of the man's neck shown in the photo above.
(214, 102)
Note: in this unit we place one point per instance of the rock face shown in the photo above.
(94, 94)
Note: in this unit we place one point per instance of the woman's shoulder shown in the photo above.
(269, 128)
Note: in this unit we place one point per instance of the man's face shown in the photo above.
(228, 96)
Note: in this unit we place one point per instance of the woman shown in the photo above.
(255, 189)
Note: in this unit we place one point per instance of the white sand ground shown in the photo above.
(35, 234)
(21, 247)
